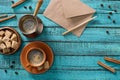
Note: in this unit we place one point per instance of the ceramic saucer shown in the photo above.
(45, 48)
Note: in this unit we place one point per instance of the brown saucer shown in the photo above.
(45, 48)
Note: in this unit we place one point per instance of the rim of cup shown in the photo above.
(41, 63)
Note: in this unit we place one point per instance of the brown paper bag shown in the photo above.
(68, 15)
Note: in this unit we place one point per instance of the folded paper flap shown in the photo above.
(55, 12)
(74, 8)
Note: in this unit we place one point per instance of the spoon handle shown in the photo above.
(37, 7)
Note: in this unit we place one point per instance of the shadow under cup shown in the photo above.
(36, 57)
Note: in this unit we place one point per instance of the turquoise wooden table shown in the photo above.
(75, 58)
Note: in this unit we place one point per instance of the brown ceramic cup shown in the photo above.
(36, 57)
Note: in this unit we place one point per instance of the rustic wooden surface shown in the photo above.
(75, 58)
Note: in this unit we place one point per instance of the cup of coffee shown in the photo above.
(36, 57)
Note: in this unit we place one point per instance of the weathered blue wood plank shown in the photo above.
(75, 58)
(101, 21)
(89, 35)
(85, 63)
(6, 6)
(60, 75)
(81, 49)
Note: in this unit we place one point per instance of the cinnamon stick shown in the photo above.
(106, 67)
(18, 3)
(7, 18)
(112, 60)
(4, 15)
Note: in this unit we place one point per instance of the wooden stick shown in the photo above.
(38, 7)
(18, 3)
(78, 25)
(112, 60)
(10, 17)
(106, 67)
(4, 15)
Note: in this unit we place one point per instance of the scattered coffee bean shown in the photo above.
(109, 6)
(110, 13)
(11, 66)
(107, 32)
(16, 73)
(30, 7)
(5, 71)
(109, 17)
(115, 10)
(13, 62)
(25, 7)
(101, 5)
(12, 2)
(114, 21)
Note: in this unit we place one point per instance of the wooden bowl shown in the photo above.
(18, 39)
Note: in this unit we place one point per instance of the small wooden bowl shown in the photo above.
(18, 37)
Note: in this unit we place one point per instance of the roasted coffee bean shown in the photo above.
(5, 71)
(109, 6)
(115, 10)
(101, 5)
(30, 7)
(13, 62)
(11, 66)
(12, 2)
(109, 17)
(110, 13)
(16, 73)
(107, 32)
(25, 7)
(114, 21)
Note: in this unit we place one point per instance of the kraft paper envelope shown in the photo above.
(69, 15)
